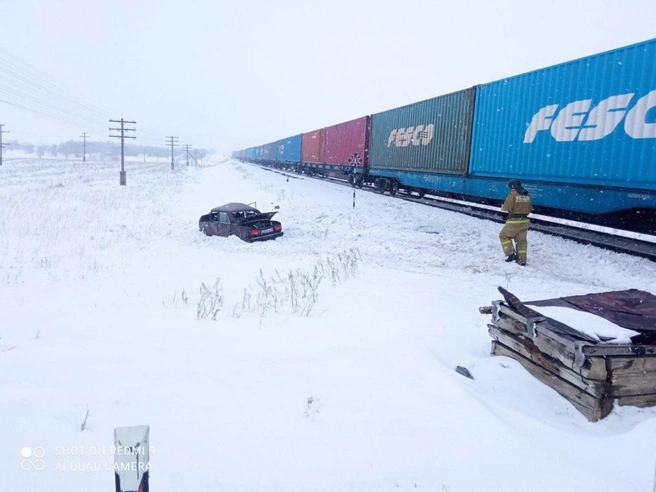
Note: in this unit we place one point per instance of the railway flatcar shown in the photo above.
(580, 135)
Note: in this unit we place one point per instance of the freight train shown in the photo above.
(580, 135)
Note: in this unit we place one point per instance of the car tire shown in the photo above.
(206, 230)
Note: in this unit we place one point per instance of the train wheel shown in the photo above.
(394, 187)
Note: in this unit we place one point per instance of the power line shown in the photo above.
(42, 92)
(47, 113)
(41, 79)
(26, 87)
(23, 87)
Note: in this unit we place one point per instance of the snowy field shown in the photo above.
(321, 361)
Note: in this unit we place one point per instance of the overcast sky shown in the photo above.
(229, 74)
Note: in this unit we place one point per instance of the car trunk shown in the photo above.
(262, 225)
(260, 221)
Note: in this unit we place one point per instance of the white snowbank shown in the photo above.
(99, 290)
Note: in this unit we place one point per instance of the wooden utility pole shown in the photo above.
(187, 147)
(173, 142)
(122, 136)
(84, 146)
(2, 145)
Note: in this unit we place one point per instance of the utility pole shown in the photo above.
(144, 155)
(2, 145)
(173, 142)
(187, 147)
(123, 136)
(84, 146)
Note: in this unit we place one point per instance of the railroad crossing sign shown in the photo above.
(355, 160)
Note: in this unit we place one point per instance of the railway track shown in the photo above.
(555, 227)
(612, 239)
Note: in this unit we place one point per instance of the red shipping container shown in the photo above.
(312, 147)
(346, 143)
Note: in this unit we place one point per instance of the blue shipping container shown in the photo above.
(591, 121)
(289, 149)
(269, 152)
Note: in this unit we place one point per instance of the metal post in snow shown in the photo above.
(355, 160)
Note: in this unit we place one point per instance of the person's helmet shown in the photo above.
(515, 184)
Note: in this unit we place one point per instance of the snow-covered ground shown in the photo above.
(330, 363)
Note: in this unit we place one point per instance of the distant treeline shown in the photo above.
(101, 150)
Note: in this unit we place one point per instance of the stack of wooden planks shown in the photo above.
(591, 374)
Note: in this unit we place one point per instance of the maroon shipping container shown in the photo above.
(312, 147)
(346, 143)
